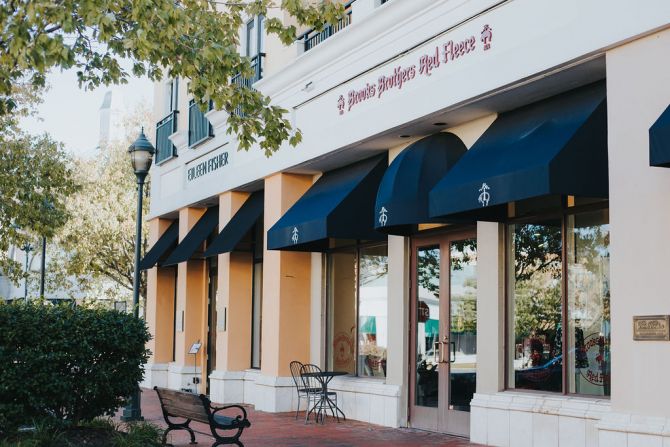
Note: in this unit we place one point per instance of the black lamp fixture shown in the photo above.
(141, 155)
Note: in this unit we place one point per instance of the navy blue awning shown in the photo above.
(194, 239)
(240, 224)
(659, 141)
(162, 248)
(402, 199)
(555, 147)
(340, 205)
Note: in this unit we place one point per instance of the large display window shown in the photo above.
(559, 303)
(357, 330)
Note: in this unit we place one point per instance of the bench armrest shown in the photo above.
(217, 409)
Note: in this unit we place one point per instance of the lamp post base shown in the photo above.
(132, 412)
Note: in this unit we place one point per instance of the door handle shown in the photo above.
(437, 351)
(452, 354)
(442, 343)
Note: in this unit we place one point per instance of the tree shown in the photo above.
(98, 243)
(193, 39)
(36, 177)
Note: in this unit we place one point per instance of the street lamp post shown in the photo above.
(43, 265)
(27, 248)
(141, 155)
(48, 206)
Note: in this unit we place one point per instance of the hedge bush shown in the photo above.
(68, 364)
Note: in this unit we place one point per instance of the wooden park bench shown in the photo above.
(177, 404)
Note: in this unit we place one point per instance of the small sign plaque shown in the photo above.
(195, 347)
(651, 327)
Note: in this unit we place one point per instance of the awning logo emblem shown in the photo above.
(295, 236)
(383, 218)
(484, 195)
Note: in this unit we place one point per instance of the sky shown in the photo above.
(70, 114)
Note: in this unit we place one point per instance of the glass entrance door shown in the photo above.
(444, 325)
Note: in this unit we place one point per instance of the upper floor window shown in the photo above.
(171, 95)
(255, 36)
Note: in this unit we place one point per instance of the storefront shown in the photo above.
(472, 228)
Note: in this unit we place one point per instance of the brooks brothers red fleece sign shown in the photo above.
(446, 53)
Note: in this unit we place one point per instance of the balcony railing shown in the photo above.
(166, 127)
(199, 128)
(313, 37)
(257, 67)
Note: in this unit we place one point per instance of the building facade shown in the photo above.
(473, 227)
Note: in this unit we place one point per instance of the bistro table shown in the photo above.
(325, 403)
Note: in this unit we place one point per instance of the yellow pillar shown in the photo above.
(234, 300)
(160, 301)
(191, 306)
(286, 285)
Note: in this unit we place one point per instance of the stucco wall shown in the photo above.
(638, 90)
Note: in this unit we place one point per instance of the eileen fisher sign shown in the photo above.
(205, 167)
(446, 53)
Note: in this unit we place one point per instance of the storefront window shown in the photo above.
(539, 291)
(257, 295)
(588, 303)
(342, 311)
(357, 310)
(535, 299)
(372, 311)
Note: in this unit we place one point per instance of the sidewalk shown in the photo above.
(283, 430)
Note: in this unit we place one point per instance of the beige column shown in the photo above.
(286, 285)
(490, 307)
(159, 313)
(191, 307)
(233, 301)
(160, 301)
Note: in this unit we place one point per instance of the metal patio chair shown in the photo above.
(315, 395)
(300, 389)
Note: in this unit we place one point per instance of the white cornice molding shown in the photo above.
(180, 139)
(218, 120)
(354, 38)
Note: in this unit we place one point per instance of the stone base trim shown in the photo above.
(528, 419)
(629, 430)
(180, 377)
(155, 374)
(367, 400)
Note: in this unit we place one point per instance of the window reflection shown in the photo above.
(372, 312)
(535, 301)
(357, 310)
(589, 303)
(538, 296)
(427, 326)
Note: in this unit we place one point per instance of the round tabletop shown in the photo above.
(326, 374)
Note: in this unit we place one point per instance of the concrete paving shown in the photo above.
(283, 430)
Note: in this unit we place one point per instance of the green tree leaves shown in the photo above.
(192, 39)
(35, 178)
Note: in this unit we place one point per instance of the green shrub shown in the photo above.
(67, 364)
(140, 434)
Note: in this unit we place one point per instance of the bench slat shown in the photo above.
(188, 415)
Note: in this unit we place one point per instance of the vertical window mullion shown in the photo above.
(564, 302)
(358, 297)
